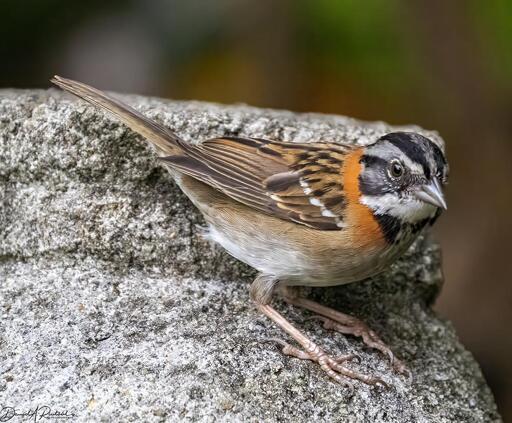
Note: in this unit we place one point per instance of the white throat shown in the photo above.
(406, 209)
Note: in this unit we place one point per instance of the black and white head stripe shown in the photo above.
(419, 162)
(420, 150)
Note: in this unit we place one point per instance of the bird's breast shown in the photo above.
(296, 254)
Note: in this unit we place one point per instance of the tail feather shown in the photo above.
(165, 140)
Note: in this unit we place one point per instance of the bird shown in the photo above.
(303, 214)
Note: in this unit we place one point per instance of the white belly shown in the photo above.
(268, 256)
(274, 256)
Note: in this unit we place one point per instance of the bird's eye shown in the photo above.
(396, 169)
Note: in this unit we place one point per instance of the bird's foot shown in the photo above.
(292, 351)
(332, 366)
(358, 328)
(348, 325)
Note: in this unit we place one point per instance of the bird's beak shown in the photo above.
(432, 193)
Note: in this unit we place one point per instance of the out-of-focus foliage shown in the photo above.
(493, 21)
(362, 40)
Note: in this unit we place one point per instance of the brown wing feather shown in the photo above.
(297, 182)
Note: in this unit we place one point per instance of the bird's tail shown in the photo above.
(165, 140)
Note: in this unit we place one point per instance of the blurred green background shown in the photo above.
(445, 65)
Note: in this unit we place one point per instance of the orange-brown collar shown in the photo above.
(360, 218)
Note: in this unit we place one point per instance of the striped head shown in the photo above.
(401, 179)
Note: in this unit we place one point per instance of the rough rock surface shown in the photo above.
(113, 308)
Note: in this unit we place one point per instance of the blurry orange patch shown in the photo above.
(222, 77)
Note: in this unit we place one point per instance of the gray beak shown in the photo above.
(432, 193)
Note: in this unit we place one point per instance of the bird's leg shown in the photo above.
(330, 365)
(298, 353)
(346, 324)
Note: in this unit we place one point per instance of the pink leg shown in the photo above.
(298, 353)
(313, 352)
(347, 325)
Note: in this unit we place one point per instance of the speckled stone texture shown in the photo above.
(113, 308)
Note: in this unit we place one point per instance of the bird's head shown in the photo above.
(402, 177)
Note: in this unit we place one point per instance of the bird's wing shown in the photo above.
(296, 182)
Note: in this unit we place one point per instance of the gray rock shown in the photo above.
(115, 309)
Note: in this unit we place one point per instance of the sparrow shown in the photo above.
(317, 214)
